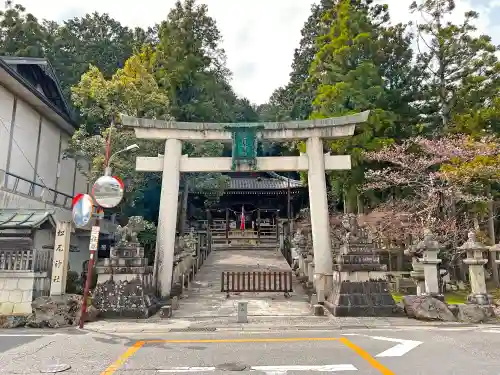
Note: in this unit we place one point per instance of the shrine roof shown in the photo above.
(25, 219)
(136, 122)
(274, 182)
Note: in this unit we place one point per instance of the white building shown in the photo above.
(36, 124)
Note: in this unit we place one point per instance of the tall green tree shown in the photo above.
(363, 63)
(21, 34)
(132, 90)
(191, 65)
(95, 39)
(462, 69)
(294, 100)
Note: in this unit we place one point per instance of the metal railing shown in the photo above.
(36, 260)
(21, 185)
(255, 282)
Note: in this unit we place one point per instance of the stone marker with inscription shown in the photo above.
(60, 258)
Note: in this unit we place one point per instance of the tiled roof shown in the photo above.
(24, 219)
(262, 183)
(48, 81)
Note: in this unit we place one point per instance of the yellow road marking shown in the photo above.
(366, 356)
(243, 340)
(121, 360)
(358, 350)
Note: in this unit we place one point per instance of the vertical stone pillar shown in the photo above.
(430, 249)
(418, 275)
(476, 261)
(319, 217)
(495, 249)
(60, 258)
(167, 220)
(305, 270)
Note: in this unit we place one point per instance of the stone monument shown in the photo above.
(360, 282)
(124, 280)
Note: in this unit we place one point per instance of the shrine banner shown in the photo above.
(245, 144)
(242, 225)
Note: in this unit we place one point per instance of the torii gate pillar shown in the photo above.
(315, 162)
(167, 217)
(318, 207)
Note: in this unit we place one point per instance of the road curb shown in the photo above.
(293, 328)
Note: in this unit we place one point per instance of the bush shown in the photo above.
(74, 283)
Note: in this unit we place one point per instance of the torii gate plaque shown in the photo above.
(315, 162)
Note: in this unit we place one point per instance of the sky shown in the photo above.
(259, 36)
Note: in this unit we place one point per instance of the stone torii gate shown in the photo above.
(244, 138)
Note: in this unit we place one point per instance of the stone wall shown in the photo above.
(16, 291)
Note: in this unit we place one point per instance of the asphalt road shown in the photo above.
(363, 351)
(10, 342)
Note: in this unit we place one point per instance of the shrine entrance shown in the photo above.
(244, 139)
(254, 228)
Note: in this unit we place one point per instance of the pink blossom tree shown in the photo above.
(429, 185)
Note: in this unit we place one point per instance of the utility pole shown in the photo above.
(103, 200)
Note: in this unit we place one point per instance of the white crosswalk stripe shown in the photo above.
(490, 331)
(268, 369)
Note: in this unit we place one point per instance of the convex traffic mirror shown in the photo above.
(108, 191)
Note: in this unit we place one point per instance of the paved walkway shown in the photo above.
(205, 300)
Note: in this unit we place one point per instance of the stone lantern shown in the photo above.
(417, 274)
(475, 260)
(429, 248)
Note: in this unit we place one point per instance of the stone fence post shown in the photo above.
(496, 250)
(476, 262)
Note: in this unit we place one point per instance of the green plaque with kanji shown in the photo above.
(245, 143)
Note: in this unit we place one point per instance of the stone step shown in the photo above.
(247, 247)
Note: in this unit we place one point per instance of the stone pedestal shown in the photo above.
(360, 287)
(476, 262)
(125, 284)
